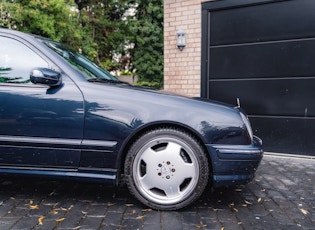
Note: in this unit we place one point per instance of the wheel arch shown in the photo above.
(152, 126)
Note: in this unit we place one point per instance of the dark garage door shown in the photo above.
(263, 52)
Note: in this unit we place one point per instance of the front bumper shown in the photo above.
(235, 164)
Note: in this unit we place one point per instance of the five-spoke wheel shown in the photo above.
(166, 169)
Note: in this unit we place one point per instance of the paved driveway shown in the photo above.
(281, 197)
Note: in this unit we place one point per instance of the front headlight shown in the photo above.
(248, 126)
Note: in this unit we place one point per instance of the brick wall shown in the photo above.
(182, 68)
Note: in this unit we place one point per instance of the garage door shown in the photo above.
(263, 53)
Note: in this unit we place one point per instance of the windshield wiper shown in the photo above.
(103, 80)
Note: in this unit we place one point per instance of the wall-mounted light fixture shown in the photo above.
(181, 39)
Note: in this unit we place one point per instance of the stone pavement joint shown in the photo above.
(282, 196)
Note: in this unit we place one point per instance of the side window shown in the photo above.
(16, 61)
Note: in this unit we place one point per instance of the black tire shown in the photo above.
(166, 169)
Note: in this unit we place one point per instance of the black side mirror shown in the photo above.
(46, 77)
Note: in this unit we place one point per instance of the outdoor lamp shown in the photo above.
(181, 39)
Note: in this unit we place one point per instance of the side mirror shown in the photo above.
(46, 77)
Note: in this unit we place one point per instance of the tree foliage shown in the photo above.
(148, 41)
(50, 18)
(123, 35)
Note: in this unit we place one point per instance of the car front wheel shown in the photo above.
(166, 169)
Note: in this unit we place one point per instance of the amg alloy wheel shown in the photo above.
(166, 169)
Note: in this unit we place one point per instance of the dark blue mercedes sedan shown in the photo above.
(62, 116)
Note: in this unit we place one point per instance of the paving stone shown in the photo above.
(152, 217)
(25, 223)
(151, 227)
(282, 196)
(172, 220)
(112, 218)
(90, 223)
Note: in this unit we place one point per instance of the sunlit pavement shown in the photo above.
(281, 197)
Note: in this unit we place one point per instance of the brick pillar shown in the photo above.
(182, 68)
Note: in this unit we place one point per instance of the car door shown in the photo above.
(40, 126)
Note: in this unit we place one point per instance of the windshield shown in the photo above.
(89, 69)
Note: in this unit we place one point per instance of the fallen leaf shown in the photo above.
(222, 228)
(201, 226)
(40, 220)
(305, 212)
(50, 204)
(54, 212)
(133, 211)
(129, 205)
(52, 193)
(247, 202)
(61, 219)
(259, 200)
(34, 207)
(140, 217)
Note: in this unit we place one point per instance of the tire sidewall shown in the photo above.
(199, 155)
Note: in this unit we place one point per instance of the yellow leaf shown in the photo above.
(40, 220)
(259, 200)
(54, 212)
(49, 204)
(201, 226)
(222, 228)
(129, 205)
(61, 219)
(34, 207)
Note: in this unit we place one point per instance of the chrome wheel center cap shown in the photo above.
(166, 170)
